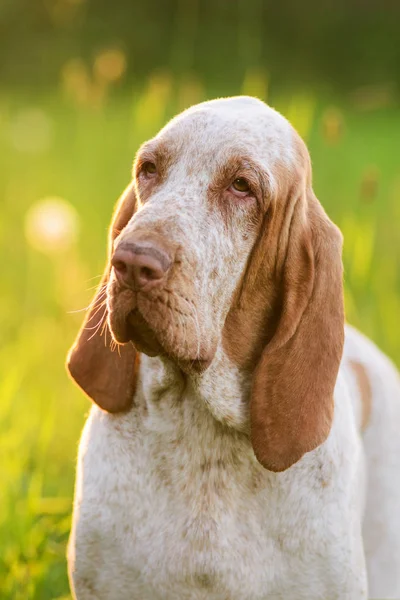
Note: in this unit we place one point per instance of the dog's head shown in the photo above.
(220, 241)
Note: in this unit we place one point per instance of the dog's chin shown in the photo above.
(134, 328)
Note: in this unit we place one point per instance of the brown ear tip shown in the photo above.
(276, 457)
(104, 400)
(107, 378)
(276, 464)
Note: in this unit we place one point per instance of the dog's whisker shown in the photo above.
(94, 326)
(78, 310)
(93, 303)
(93, 287)
(101, 292)
(99, 323)
(98, 308)
(104, 329)
(95, 277)
(97, 327)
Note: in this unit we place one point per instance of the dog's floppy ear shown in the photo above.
(291, 404)
(107, 375)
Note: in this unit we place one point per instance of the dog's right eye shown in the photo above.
(149, 168)
(241, 185)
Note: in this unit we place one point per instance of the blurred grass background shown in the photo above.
(83, 83)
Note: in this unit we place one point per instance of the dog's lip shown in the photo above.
(151, 347)
(154, 347)
(127, 324)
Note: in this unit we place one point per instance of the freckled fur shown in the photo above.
(171, 502)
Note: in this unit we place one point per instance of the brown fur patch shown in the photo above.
(364, 386)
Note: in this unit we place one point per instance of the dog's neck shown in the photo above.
(195, 444)
(219, 394)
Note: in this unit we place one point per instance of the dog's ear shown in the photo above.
(104, 371)
(292, 403)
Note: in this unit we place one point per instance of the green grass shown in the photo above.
(85, 158)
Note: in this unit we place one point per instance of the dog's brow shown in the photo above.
(149, 147)
(155, 150)
(241, 163)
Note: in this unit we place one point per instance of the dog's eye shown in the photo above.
(149, 168)
(240, 185)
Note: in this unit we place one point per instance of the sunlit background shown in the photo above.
(83, 83)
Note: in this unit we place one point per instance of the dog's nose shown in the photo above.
(140, 266)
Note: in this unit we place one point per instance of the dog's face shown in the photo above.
(219, 241)
(203, 186)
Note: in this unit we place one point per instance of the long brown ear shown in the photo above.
(106, 375)
(292, 396)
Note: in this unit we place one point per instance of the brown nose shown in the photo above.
(140, 266)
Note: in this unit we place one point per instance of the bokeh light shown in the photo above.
(51, 225)
(333, 125)
(110, 65)
(75, 81)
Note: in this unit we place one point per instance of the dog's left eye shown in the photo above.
(241, 185)
(149, 168)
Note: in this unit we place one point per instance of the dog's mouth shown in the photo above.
(156, 330)
(140, 333)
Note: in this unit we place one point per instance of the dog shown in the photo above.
(244, 443)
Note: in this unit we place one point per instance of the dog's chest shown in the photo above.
(175, 504)
(187, 514)
(190, 534)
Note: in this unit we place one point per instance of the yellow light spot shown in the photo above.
(110, 65)
(76, 82)
(332, 125)
(51, 225)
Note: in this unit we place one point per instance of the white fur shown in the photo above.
(171, 503)
(381, 442)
